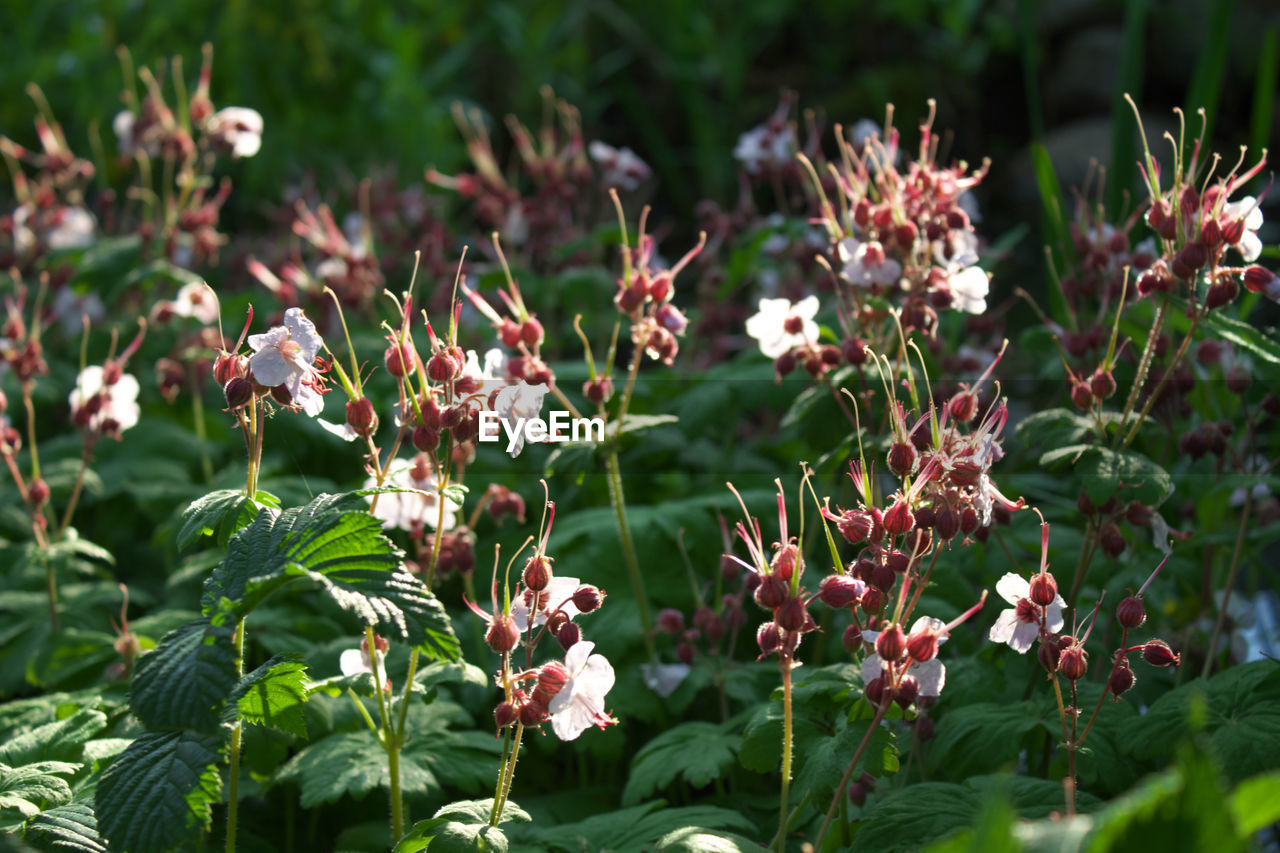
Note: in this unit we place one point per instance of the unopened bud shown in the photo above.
(891, 645)
(1130, 613)
(400, 359)
(1112, 540)
(1221, 292)
(537, 573)
(1082, 396)
(588, 598)
(791, 615)
(598, 390)
(568, 635)
(839, 591)
(902, 459)
(505, 715)
(772, 591)
(532, 714)
(670, 621)
(1158, 653)
(444, 366)
(908, 690)
(922, 645)
(361, 417)
(38, 494)
(1074, 662)
(874, 691)
(531, 333)
(768, 638)
(1102, 384)
(425, 438)
(239, 391)
(872, 601)
(963, 407)
(1044, 589)
(898, 519)
(503, 634)
(1049, 654)
(1121, 680)
(852, 639)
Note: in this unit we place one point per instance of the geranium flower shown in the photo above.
(285, 355)
(238, 128)
(765, 146)
(110, 409)
(1020, 625)
(516, 402)
(1246, 209)
(355, 661)
(405, 510)
(580, 703)
(620, 167)
(194, 300)
(557, 596)
(72, 228)
(969, 288)
(931, 675)
(865, 264)
(781, 325)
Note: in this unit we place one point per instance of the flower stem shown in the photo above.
(844, 780)
(1086, 556)
(781, 839)
(197, 416)
(618, 498)
(76, 489)
(1231, 582)
(233, 779)
(1168, 374)
(508, 773)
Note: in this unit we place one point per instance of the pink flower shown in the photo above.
(781, 325)
(111, 408)
(405, 510)
(620, 166)
(1247, 210)
(285, 355)
(196, 300)
(580, 703)
(557, 596)
(1020, 625)
(238, 128)
(355, 661)
(931, 675)
(865, 264)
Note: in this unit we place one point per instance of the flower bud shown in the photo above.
(588, 598)
(425, 438)
(228, 366)
(908, 690)
(768, 638)
(239, 391)
(1138, 514)
(1121, 680)
(902, 459)
(968, 520)
(1082, 396)
(537, 573)
(852, 639)
(1044, 589)
(531, 333)
(882, 577)
(1102, 384)
(1130, 613)
(509, 332)
(505, 715)
(772, 591)
(946, 522)
(532, 714)
(361, 417)
(783, 563)
(1193, 256)
(598, 390)
(839, 591)
(923, 645)
(855, 527)
(963, 407)
(1049, 654)
(670, 621)
(858, 793)
(891, 645)
(444, 366)
(898, 519)
(552, 676)
(1158, 653)
(503, 634)
(1112, 540)
(1257, 279)
(1238, 379)
(897, 561)
(400, 359)
(568, 635)
(1221, 292)
(874, 691)
(854, 351)
(872, 601)
(684, 653)
(38, 494)
(1074, 662)
(791, 614)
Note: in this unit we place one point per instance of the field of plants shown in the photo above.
(401, 474)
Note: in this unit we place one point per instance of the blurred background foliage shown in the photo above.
(347, 85)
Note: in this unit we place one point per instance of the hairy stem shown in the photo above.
(508, 774)
(197, 416)
(618, 498)
(844, 780)
(1231, 582)
(76, 489)
(233, 778)
(1168, 374)
(781, 838)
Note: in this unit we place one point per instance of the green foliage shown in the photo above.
(273, 695)
(220, 514)
(695, 839)
(186, 680)
(1107, 473)
(633, 830)
(158, 793)
(34, 787)
(462, 827)
(697, 752)
(70, 827)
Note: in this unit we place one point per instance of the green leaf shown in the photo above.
(1054, 428)
(158, 793)
(698, 752)
(70, 827)
(185, 681)
(63, 740)
(637, 829)
(695, 839)
(1107, 472)
(1256, 803)
(981, 737)
(478, 811)
(34, 787)
(1241, 711)
(273, 695)
(345, 552)
(220, 514)
(916, 815)
(462, 827)
(824, 760)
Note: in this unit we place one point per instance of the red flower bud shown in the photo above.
(670, 621)
(908, 690)
(1130, 613)
(239, 391)
(444, 366)
(531, 333)
(768, 638)
(425, 438)
(400, 359)
(503, 634)
(505, 715)
(1256, 279)
(588, 598)
(791, 615)
(1158, 653)
(1074, 662)
(1121, 680)
(923, 645)
(839, 591)
(882, 577)
(537, 573)
(361, 416)
(902, 459)
(946, 522)
(891, 645)
(772, 591)
(852, 639)
(1082, 396)
(1049, 655)
(898, 519)
(1044, 589)
(873, 601)
(532, 714)
(38, 494)
(1112, 540)
(854, 351)
(1221, 292)
(598, 390)
(1102, 384)
(963, 407)
(874, 691)
(568, 635)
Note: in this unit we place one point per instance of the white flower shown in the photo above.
(763, 146)
(664, 678)
(285, 355)
(580, 703)
(557, 596)
(240, 128)
(620, 166)
(73, 228)
(1019, 626)
(969, 289)
(780, 325)
(517, 403)
(1249, 246)
(355, 661)
(196, 300)
(404, 510)
(118, 409)
(865, 264)
(71, 308)
(931, 675)
(1254, 464)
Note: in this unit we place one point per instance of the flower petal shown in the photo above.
(1004, 627)
(1013, 587)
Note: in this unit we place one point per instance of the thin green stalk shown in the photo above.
(1168, 374)
(781, 838)
(508, 774)
(618, 498)
(202, 437)
(233, 779)
(844, 780)
(75, 490)
(1231, 582)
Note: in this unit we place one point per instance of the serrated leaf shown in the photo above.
(823, 761)
(478, 811)
(695, 839)
(698, 752)
(33, 787)
(981, 737)
(59, 741)
(914, 816)
(273, 695)
(446, 836)
(220, 514)
(158, 793)
(184, 682)
(70, 827)
(637, 829)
